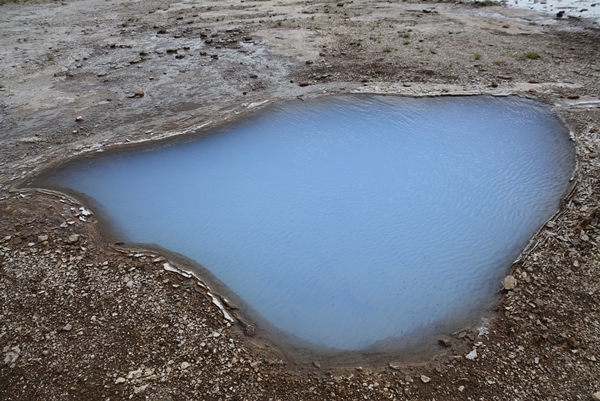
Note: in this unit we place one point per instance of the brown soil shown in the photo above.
(82, 318)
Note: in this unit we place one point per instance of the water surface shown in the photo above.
(347, 220)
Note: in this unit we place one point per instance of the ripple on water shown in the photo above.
(347, 220)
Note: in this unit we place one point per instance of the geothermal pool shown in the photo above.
(347, 221)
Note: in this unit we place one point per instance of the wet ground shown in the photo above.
(82, 318)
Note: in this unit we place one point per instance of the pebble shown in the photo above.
(67, 327)
(120, 380)
(303, 83)
(140, 389)
(596, 396)
(471, 355)
(445, 343)
(79, 118)
(317, 365)
(73, 238)
(184, 365)
(509, 283)
(101, 74)
(425, 379)
(138, 93)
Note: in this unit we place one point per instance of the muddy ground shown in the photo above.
(82, 318)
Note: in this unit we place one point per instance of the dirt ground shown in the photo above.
(84, 319)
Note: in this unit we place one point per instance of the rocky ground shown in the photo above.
(81, 318)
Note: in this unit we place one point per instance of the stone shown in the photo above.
(11, 354)
(79, 118)
(317, 365)
(445, 343)
(425, 379)
(101, 74)
(309, 62)
(144, 53)
(73, 238)
(509, 283)
(42, 238)
(215, 56)
(172, 50)
(406, 85)
(120, 380)
(140, 389)
(138, 93)
(135, 60)
(67, 327)
(395, 365)
(303, 83)
(471, 355)
(596, 396)
(184, 365)
(249, 330)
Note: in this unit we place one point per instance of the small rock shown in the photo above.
(471, 355)
(172, 50)
(406, 85)
(425, 379)
(249, 330)
(79, 118)
(461, 388)
(138, 93)
(509, 283)
(101, 74)
(573, 342)
(214, 56)
(444, 342)
(560, 14)
(73, 238)
(184, 365)
(42, 238)
(317, 365)
(135, 60)
(303, 83)
(11, 354)
(309, 62)
(137, 390)
(395, 365)
(120, 380)
(144, 53)
(67, 327)
(180, 56)
(596, 396)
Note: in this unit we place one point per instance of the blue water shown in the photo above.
(347, 220)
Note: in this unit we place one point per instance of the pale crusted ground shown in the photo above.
(81, 319)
